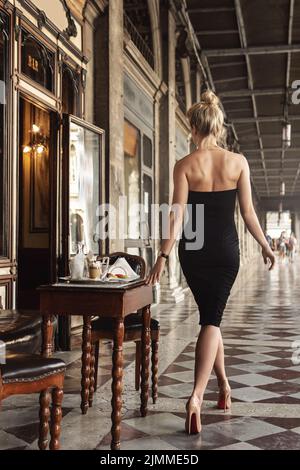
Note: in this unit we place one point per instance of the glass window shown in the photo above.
(37, 62)
(70, 91)
(132, 140)
(84, 186)
(3, 133)
(147, 151)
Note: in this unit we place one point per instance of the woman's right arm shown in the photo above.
(249, 214)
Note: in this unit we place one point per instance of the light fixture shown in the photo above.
(35, 128)
(40, 149)
(38, 143)
(26, 149)
(282, 188)
(286, 134)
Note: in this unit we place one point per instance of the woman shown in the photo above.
(210, 176)
(292, 243)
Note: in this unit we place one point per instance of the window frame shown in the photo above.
(142, 243)
(71, 68)
(38, 36)
(6, 255)
(65, 227)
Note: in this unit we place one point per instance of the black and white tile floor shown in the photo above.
(261, 328)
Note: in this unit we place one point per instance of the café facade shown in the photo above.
(91, 109)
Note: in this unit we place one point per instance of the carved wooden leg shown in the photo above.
(116, 387)
(145, 360)
(47, 335)
(137, 364)
(154, 367)
(85, 363)
(97, 346)
(44, 419)
(92, 376)
(57, 397)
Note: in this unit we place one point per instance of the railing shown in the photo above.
(138, 40)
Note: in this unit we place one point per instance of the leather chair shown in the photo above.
(20, 330)
(30, 373)
(102, 328)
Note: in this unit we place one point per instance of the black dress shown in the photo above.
(210, 271)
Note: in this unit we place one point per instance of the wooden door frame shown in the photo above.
(54, 126)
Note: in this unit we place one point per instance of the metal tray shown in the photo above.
(88, 281)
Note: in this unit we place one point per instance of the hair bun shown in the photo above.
(209, 98)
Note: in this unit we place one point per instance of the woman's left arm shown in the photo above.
(179, 200)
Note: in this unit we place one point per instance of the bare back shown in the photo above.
(212, 170)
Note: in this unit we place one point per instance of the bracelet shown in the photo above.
(163, 255)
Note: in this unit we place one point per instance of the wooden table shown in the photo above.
(112, 301)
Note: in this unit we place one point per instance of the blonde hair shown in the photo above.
(207, 117)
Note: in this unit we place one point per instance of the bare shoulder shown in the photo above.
(182, 164)
(238, 157)
(180, 170)
(185, 160)
(239, 160)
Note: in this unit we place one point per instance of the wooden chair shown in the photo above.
(102, 328)
(20, 330)
(31, 373)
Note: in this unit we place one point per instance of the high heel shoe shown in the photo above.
(193, 421)
(224, 401)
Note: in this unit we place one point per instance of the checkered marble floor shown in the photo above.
(261, 331)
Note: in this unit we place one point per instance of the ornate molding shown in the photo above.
(41, 19)
(71, 29)
(51, 27)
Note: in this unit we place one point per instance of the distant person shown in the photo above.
(282, 246)
(292, 243)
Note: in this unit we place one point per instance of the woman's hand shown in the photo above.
(156, 271)
(268, 254)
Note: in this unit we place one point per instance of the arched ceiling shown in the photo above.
(252, 49)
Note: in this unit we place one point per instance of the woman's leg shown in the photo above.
(205, 356)
(219, 365)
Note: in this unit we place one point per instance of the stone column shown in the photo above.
(170, 290)
(109, 108)
(296, 226)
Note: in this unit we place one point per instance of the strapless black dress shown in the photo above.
(210, 270)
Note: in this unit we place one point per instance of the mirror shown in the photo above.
(84, 185)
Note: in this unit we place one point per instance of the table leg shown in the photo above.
(92, 376)
(145, 360)
(116, 387)
(47, 335)
(85, 363)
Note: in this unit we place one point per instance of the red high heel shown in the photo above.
(193, 421)
(224, 401)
